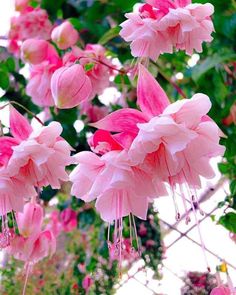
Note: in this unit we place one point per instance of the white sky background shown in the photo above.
(183, 256)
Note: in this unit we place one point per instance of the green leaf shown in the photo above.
(229, 221)
(233, 187)
(209, 63)
(224, 168)
(10, 63)
(112, 33)
(89, 66)
(4, 80)
(76, 23)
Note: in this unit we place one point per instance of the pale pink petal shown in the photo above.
(124, 120)
(6, 145)
(182, 3)
(152, 99)
(19, 125)
(189, 111)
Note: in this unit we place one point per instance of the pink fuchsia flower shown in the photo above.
(171, 142)
(43, 246)
(99, 67)
(70, 86)
(65, 35)
(189, 27)
(13, 192)
(141, 29)
(31, 23)
(40, 157)
(161, 25)
(39, 84)
(34, 248)
(68, 219)
(21, 5)
(30, 220)
(221, 290)
(119, 188)
(54, 224)
(93, 113)
(37, 51)
(87, 283)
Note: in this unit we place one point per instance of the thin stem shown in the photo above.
(24, 108)
(122, 72)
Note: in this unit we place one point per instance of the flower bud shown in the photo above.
(21, 5)
(65, 35)
(30, 221)
(70, 86)
(36, 51)
(87, 282)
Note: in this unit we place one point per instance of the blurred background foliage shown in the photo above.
(212, 72)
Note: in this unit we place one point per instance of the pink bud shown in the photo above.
(65, 35)
(221, 290)
(68, 219)
(21, 4)
(87, 282)
(44, 246)
(30, 221)
(70, 86)
(36, 51)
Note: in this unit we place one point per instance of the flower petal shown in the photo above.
(152, 99)
(19, 125)
(122, 120)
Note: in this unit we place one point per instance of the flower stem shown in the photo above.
(178, 89)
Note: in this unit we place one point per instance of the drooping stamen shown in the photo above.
(194, 208)
(200, 236)
(187, 218)
(177, 213)
(136, 235)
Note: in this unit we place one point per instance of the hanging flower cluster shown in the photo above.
(68, 81)
(30, 160)
(30, 23)
(161, 26)
(164, 148)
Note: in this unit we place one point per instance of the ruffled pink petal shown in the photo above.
(189, 111)
(6, 144)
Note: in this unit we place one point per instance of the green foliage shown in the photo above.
(229, 221)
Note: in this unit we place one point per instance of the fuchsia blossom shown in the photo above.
(33, 243)
(160, 26)
(171, 142)
(30, 221)
(87, 283)
(93, 113)
(30, 159)
(40, 157)
(120, 189)
(68, 219)
(64, 35)
(44, 66)
(36, 51)
(31, 23)
(100, 67)
(221, 290)
(70, 86)
(21, 5)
